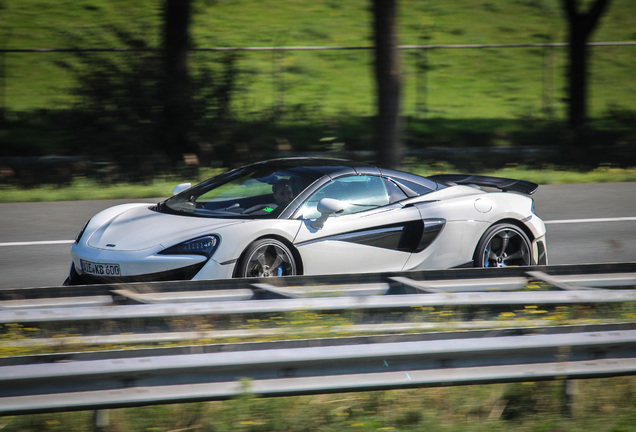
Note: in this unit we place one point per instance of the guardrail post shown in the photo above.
(568, 391)
(101, 420)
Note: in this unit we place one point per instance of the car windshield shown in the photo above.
(248, 192)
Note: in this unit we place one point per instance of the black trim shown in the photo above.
(432, 228)
(413, 236)
(386, 237)
(184, 273)
(469, 264)
(542, 259)
(501, 183)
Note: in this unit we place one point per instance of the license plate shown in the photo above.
(100, 269)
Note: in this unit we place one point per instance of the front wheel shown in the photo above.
(267, 258)
(503, 245)
(72, 276)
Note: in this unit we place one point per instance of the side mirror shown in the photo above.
(327, 207)
(180, 188)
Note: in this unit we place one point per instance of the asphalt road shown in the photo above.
(587, 223)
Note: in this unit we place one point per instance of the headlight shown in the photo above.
(199, 246)
(81, 233)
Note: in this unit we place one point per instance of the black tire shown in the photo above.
(503, 245)
(72, 277)
(267, 258)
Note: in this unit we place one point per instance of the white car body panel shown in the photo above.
(450, 249)
(435, 230)
(348, 257)
(141, 228)
(147, 227)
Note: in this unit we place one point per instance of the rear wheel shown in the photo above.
(503, 245)
(267, 258)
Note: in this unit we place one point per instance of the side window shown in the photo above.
(395, 192)
(358, 193)
(413, 189)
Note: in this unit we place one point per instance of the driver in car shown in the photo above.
(283, 195)
(282, 192)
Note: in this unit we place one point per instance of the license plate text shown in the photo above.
(100, 269)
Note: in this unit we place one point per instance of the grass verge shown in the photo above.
(82, 188)
(599, 405)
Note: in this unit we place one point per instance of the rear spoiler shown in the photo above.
(504, 184)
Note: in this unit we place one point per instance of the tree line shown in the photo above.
(389, 148)
(159, 105)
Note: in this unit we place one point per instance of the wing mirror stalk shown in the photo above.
(327, 207)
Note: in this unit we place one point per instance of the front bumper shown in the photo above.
(183, 273)
(136, 266)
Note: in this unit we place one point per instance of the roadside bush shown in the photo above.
(119, 114)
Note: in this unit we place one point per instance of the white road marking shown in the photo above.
(38, 243)
(575, 221)
(550, 222)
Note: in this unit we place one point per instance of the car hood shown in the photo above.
(142, 228)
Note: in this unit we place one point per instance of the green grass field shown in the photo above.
(491, 83)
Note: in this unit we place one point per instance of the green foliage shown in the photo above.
(246, 107)
(11, 335)
(121, 104)
(600, 405)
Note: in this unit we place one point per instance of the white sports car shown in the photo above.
(312, 216)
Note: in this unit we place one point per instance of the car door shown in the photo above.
(374, 232)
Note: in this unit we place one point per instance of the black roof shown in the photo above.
(293, 162)
(318, 166)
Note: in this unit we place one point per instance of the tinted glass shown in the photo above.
(394, 191)
(358, 193)
(245, 193)
(413, 188)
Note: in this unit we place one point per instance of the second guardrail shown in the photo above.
(100, 380)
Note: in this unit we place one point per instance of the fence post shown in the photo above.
(3, 84)
(3, 78)
(421, 83)
(279, 80)
(548, 80)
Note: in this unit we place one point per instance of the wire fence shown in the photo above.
(436, 80)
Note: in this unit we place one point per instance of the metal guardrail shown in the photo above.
(598, 275)
(147, 311)
(554, 285)
(119, 378)
(100, 380)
